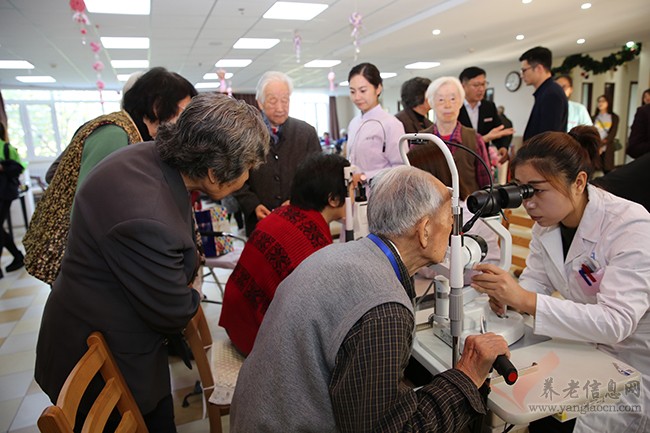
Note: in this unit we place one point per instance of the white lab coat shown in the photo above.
(372, 141)
(613, 235)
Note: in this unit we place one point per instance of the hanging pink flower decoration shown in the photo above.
(77, 5)
(81, 18)
(223, 87)
(331, 77)
(98, 66)
(100, 85)
(297, 44)
(95, 47)
(356, 21)
(84, 31)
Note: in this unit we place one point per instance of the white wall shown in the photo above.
(519, 104)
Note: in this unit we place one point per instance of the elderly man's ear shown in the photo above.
(423, 231)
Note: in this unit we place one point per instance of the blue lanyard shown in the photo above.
(389, 254)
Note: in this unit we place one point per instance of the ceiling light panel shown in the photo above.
(120, 7)
(255, 43)
(126, 64)
(422, 65)
(125, 43)
(294, 11)
(15, 64)
(36, 79)
(233, 63)
(322, 63)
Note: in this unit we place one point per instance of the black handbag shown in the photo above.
(9, 179)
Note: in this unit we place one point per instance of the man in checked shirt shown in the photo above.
(331, 351)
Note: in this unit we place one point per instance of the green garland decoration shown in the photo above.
(589, 64)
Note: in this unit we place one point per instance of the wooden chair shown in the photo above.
(519, 225)
(115, 394)
(219, 385)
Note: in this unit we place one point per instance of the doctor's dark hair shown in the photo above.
(155, 95)
(559, 156)
(412, 91)
(216, 133)
(319, 178)
(400, 197)
(367, 71)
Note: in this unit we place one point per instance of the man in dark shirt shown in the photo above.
(416, 106)
(481, 114)
(551, 109)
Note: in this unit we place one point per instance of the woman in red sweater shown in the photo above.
(280, 242)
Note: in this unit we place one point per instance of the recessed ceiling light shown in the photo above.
(126, 43)
(630, 44)
(294, 11)
(519, 37)
(526, 1)
(207, 85)
(15, 64)
(122, 7)
(435, 32)
(126, 64)
(36, 79)
(233, 63)
(322, 63)
(123, 77)
(344, 83)
(422, 65)
(214, 76)
(585, 6)
(385, 75)
(255, 43)
(580, 41)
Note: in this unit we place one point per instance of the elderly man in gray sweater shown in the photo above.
(331, 352)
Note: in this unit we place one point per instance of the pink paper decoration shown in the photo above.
(331, 77)
(356, 21)
(223, 87)
(297, 44)
(79, 16)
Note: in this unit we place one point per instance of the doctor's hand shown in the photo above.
(503, 289)
(479, 354)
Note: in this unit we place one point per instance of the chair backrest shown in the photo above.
(519, 224)
(115, 394)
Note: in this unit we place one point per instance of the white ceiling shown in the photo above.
(189, 36)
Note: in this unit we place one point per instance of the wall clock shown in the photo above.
(513, 81)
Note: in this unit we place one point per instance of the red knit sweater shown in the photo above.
(279, 243)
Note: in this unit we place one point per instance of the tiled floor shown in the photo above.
(22, 299)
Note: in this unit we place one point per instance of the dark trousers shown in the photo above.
(6, 240)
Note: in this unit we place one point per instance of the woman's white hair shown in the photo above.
(439, 82)
(400, 197)
(270, 77)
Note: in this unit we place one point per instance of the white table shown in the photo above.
(567, 378)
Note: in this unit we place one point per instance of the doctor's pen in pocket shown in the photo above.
(488, 202)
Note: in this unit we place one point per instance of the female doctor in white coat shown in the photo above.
(580, 227)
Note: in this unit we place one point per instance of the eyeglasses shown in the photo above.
(523, 70)
(479, 85)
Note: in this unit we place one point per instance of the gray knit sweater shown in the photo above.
(283, 384)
